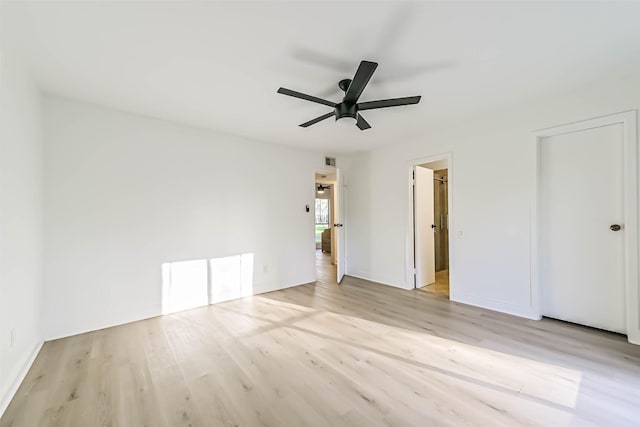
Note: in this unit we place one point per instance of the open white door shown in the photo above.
(339, 225)
(423, 227)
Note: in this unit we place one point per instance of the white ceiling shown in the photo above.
(219, 64)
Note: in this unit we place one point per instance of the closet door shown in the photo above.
(582, 234)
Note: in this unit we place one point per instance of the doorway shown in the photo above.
(329, 229)
(323, 217)
(430, 192)
(586, 231)
(441, 231)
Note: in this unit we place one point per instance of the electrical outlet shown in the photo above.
(12, 337)
(265, 268)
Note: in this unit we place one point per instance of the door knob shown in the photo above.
(433, 226)
(615, 227)
(337, 225)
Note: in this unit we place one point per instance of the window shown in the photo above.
(322, 218)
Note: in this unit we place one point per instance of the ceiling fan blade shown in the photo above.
(359, 82)
(305, 97)
(362, 123)
(318, 119)
(384, 103)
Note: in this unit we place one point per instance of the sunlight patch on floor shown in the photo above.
(502, 372)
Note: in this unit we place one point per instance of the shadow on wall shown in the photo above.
(194, 283)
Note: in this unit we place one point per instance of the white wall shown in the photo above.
(491, 176)
(125, 194)
(20, 224)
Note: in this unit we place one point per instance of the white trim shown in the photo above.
(341, 202)
(494, 304)
(345, 206)
(629, 123)
(363, 277)
(156, 309)
(13, 388)
(409, 252)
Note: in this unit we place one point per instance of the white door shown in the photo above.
(339, 225)
(424, 231)
(581, 199)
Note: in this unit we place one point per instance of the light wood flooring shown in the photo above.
(441, 285)
(358, 354)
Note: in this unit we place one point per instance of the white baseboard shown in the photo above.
(364, 277)
(265, 288)
(151, 311)
(633, 336)
(13, 388)
(494, 305)
(148, 312)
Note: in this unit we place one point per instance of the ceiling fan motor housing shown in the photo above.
(346, 110)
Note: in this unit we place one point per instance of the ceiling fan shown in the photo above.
(349, 109)
(321, 188)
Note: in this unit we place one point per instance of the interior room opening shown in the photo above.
(325, 233)
(431, 227)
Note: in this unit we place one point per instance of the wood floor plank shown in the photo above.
(323, 354)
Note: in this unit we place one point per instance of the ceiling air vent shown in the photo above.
(330, 161)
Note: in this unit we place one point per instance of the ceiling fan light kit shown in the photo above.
(346, 121)
(348, 111)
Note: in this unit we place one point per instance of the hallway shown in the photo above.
(325, 271)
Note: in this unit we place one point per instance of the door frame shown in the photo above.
(630, 213)
(410, 234)
(336, 193)
(340, 201)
